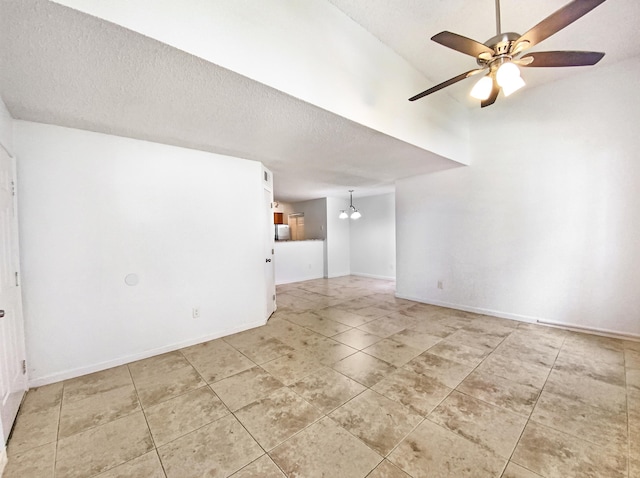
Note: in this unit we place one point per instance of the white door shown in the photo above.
(269, 271)
(13, 381)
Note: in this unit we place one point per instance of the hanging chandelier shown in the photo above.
(353, 212)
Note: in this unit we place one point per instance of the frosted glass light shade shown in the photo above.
(343, 215)
(356, 214)
(508, 77)
(513, 85)
(506, 73)
(482, 89)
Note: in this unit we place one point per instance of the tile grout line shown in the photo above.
(534, 407)
(144, 414)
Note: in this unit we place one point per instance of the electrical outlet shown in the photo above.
(195, 312)
(440, 284)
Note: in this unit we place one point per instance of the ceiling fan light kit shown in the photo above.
(501, 54)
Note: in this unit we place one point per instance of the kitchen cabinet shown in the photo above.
(278, 218)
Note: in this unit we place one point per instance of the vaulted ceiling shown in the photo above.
(345, 125)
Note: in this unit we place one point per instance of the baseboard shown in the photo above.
(526, 318)
(77, 372)
(3, 459)
(373, 276)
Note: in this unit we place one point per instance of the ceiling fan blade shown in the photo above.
(561, 58)
(462, 44)
(493, 96)
(558, 20)
(444, 84)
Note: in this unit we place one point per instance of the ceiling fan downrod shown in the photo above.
(498, 26)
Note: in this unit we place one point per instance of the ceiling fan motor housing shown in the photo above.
(501, 45)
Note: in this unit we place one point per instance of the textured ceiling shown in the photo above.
(63, 67)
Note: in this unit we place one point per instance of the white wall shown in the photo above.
(95, 208)
(545, 223)
(373, 237)
(296, 261)
(337, 243)
(315, 217)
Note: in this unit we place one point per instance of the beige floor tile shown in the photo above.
(501, 392)
(372, 312)
(590, 391)
(292, 367)
(263, 467)
(592, 342)
(395, 353)
(634, 466)
(343, 316)
(147, 466)
(364, 368)
(431, 450)
(544, 333)
(183, 414)
(381, 431)
(633, 378)
(387, 470)
(98, 382)
(34, 463)
(415, 391)
(156, 387)
(383, 327)
(552, 453)
(328, 351)
(538, 340)
(458, 352)
(159, 364)
(357, 338)
(448, 372)
(602, 426)
(98, 409)
(590, 367)
(477, 340)
(515, 370)
(328, 327)
(402, 319)
(486, 425)
(325, 450)
(42, 398)
(631, 345)
(491, 327)
(104, 447)
(273, 419)
(32, 429)
(418, 340)
(218, 449)
(527, 352)
(632, 359)
(516, 471)
(216, 360)
(433, 327)
(327, 389)
(245, 387)
(258, 345)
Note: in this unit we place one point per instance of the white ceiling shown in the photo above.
(64, 67)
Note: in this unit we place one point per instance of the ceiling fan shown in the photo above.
(501, 54)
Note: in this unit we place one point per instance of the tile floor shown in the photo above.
(347, 381)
